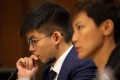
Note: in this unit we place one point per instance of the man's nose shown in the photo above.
(31, 48)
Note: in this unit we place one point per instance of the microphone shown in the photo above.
(14, 72)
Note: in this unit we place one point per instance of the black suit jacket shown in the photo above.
(74, 69)
(114, 62)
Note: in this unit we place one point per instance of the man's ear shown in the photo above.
(57, 37)
(107, 27)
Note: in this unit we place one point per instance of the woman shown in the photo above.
(96, 26)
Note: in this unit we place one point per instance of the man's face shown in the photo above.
(41, 45)
(87, 37)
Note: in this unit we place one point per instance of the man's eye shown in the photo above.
(79, 27)
(34, 41)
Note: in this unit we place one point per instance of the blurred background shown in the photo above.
(12, 46)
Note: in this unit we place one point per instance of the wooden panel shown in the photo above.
(67, 3)
(11, 43)
(0, 30)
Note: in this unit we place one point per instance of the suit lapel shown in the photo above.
(66, 67)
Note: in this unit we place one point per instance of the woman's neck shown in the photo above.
(101, 57)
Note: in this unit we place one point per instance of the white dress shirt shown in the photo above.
(59, 62)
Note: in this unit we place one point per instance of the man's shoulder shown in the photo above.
(73, 58)
(74, 61)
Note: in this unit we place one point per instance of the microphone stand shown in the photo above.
(13, 73)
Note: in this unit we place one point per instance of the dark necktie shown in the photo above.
(52, 74)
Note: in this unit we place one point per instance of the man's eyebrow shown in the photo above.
(31, 37)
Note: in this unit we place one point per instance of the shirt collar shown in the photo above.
(60, 61)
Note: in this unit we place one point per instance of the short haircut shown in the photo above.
(48, 18)
(101, 10)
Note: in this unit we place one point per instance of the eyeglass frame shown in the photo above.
(32, 43)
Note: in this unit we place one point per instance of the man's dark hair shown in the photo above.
(101, 10)
(48, 18)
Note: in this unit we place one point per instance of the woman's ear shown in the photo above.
(108, 27)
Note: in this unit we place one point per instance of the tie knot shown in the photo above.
(52, 75)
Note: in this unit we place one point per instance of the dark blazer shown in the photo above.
(74, 69)
(114, 62)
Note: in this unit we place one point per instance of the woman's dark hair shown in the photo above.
(101, 10)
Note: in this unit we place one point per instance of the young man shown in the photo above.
(49, 34)
(96, 25)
